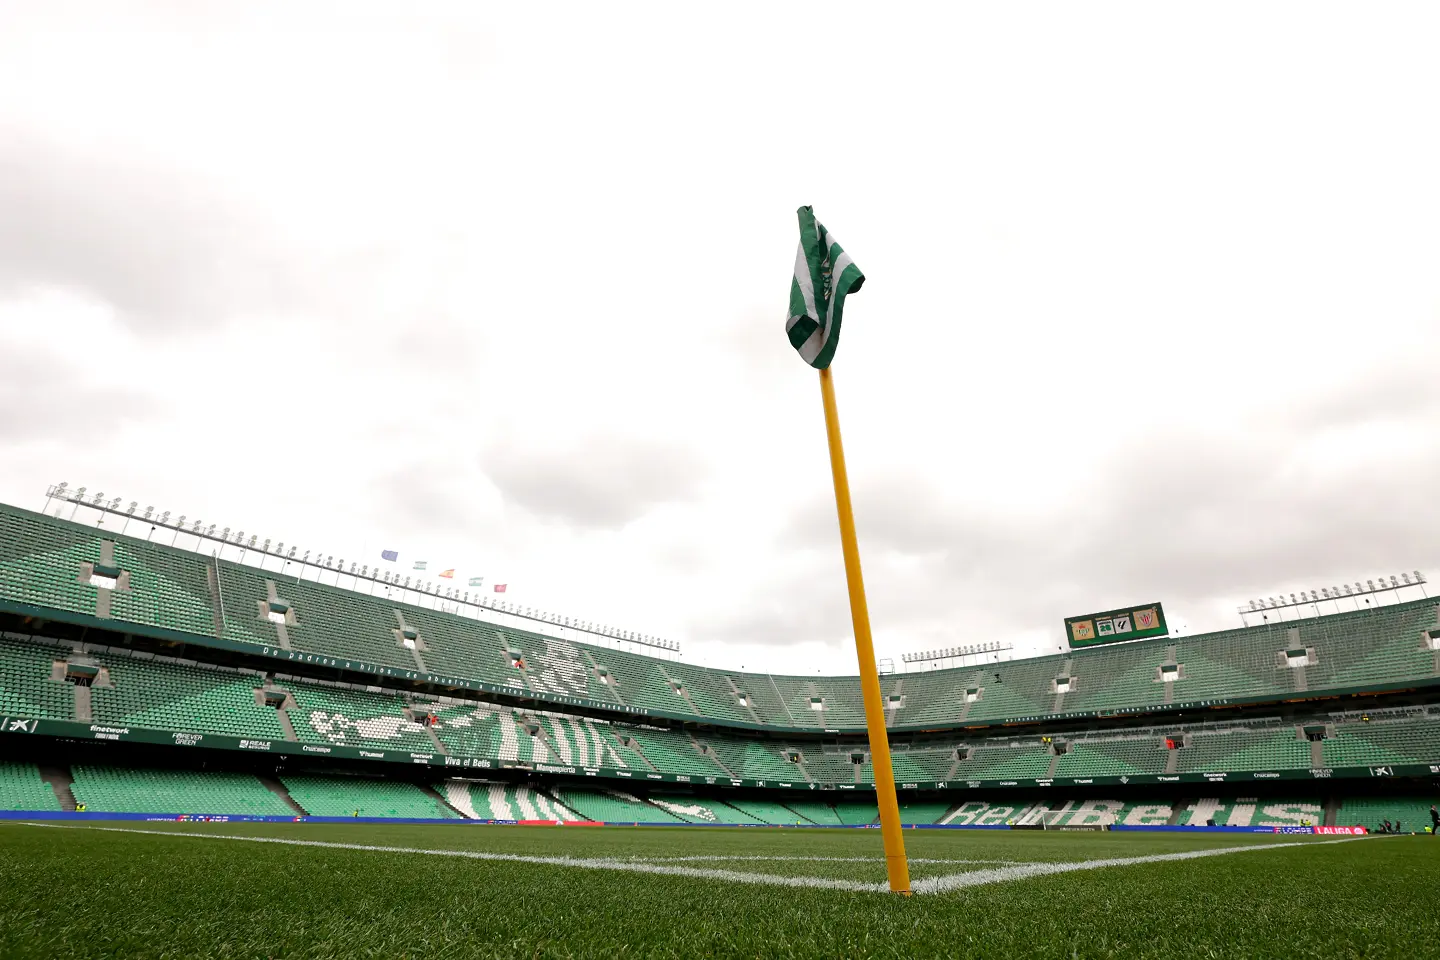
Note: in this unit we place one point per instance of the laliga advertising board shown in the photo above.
(1114, 626)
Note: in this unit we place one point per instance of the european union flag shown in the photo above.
(391, 555)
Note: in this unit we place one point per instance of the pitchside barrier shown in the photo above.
(249, 818)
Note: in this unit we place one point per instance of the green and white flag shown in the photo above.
(824, 276)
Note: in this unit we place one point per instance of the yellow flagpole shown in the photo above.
(896, 866)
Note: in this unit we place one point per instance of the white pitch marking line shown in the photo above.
(733, 876)
(955, 881)
(958, 881)
(878, 861)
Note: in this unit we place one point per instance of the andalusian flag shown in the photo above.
(824, 275)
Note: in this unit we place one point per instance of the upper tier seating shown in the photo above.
(41, 562)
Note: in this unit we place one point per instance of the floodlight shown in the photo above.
(1393, 581)
(133, 505)
(63, 485)
(306, 558)
(1405, 577)
(1418, 577)
(1370, 584)
(165, 518)
(181, 521)
(224, 535)
(293, 549)
(80, 494)
(98, 497)
(147, 512)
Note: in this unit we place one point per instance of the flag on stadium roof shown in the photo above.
(824, 275)
(391, 555)
(448, 574)
(420, 564)
(500, 587)
(476, 581)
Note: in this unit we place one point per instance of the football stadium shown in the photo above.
(478, 307)
(211, 742)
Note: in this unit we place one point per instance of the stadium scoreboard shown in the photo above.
(1113, 626)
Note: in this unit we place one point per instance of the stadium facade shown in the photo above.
(141, 678)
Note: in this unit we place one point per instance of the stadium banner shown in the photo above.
(1115, 626)
(78, 730)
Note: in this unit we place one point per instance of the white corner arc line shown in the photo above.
(959, 881)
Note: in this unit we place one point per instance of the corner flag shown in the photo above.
(824, 276)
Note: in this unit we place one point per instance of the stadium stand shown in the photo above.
(480, 800)
(26, 689)
(919, 812)
(101, 585)
(1254, 812)
(613, 806)
(355, 717)
(1245, 750)
(1111, 757)
(857, 812)
(170, 695)
(21, 788)
(1411, 738)
(670, 751)
(697, 810)
(43, 563)
(1412, 813)
(121, 790)
(822, 814)
(766, 811)
(983, 813)
(752, 761)
(334, 796)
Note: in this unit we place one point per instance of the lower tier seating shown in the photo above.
(1413, 813)
(613, 806)
(21, 788)
(364, 797)
(122, 790)
(480, 800)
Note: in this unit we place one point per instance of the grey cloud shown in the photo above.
(809, 604)
(422, 497)
(40, 397)
(168, 253)
(601, 484)
(1187, 519)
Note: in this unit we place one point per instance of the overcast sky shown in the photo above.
(1151, 310)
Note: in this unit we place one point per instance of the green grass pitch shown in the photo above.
(76, 891)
